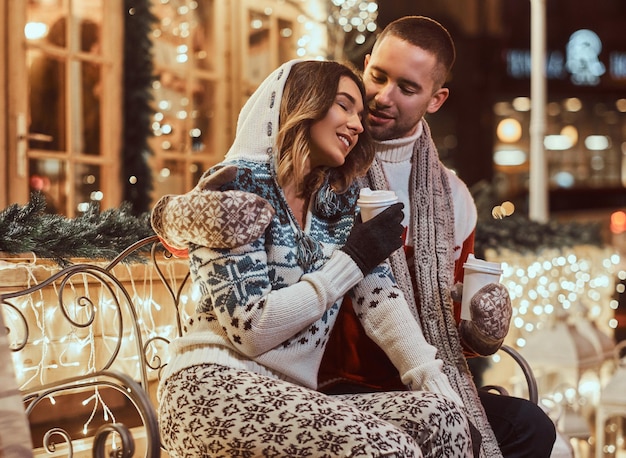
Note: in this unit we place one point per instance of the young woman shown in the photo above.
(242, 380)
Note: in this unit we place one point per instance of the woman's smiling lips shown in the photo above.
(346, 140)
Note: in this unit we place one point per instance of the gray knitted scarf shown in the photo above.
(432, 216)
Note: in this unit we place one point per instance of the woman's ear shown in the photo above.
(436, 101)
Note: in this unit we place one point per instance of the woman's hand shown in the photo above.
(371, 242)
(208, 217)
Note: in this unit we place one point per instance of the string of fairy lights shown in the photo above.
(555, 283)
(81, 339)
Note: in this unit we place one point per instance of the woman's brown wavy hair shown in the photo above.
(310, 91)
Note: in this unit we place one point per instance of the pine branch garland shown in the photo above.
(93, 235)
(520, 234)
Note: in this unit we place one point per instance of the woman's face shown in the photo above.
(334, 136)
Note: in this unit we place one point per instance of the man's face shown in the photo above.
(400, 86)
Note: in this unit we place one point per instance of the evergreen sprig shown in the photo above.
(520, 234)
(93, 235)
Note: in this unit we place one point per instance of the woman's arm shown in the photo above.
(255, 304)
(388, 321)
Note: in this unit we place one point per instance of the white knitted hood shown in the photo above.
(257, 124)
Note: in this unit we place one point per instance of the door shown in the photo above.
(64, 102)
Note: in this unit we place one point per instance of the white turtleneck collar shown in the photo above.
(398, 149)
(395, 158)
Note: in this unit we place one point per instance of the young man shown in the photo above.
(404, 77)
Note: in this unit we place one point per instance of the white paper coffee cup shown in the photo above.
(371, 203)
(476, 274)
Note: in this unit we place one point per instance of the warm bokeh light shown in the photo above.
(618, 222)
(570, 132)
(509, 157)
(509, 130)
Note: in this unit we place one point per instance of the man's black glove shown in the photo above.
(371, 242)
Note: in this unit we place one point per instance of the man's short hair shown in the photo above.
(425, 33)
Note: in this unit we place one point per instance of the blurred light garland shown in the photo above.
(57, 348)
(355, 16)
(558, 282)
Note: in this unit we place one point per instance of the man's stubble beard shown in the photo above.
(381, 134)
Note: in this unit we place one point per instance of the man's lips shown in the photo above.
(377, 117)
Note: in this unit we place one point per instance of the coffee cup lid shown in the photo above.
(367, 195)
(482, 265)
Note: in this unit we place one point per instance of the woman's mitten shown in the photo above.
(491, 311)
(208, 217)
(371, 242)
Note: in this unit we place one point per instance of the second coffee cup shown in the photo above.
(372, 202)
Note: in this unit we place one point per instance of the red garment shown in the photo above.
(352, 360)
(179, 253)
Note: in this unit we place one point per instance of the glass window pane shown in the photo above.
(87, 185)
(47, 100)
(49, 176)
(203, 26)
(286, 46)
(170, 178)
(88, 12)
(169, 119)
(89, 123)
(197, 169)
(172, 32)
(259, 59)
(203, 117)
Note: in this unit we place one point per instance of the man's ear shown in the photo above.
(437, 100)
(366, 61)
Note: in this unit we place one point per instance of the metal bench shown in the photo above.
(86, 360)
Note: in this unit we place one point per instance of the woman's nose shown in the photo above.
(355, 123)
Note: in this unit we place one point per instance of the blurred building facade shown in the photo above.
(482, 130)
(208, 56)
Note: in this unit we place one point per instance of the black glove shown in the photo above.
(371, 242)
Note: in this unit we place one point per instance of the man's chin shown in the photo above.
(376, 128)
(382, 133)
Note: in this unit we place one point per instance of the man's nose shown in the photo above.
(384, 94)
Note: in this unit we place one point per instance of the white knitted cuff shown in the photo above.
(441, 385)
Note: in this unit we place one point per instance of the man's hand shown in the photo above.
(208, 217)
(491, 313)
